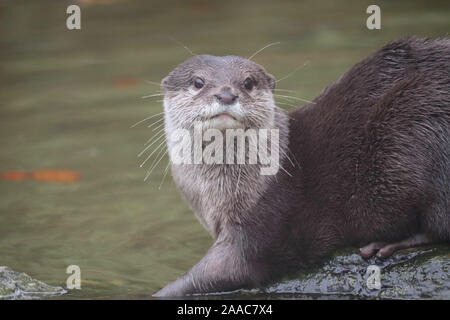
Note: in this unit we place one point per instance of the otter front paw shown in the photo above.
(177, 288)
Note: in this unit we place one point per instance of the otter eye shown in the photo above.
(199, 83)
(249, 83)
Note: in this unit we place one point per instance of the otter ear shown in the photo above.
(164, 84)
(271, 81)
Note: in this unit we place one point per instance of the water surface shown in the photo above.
(68, 99)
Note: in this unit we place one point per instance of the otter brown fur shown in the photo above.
(367, 164)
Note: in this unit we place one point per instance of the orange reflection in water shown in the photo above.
(65, 176)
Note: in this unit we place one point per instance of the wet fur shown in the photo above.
(372, 163)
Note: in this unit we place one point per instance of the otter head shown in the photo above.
(219, 92)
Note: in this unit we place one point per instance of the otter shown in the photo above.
(366, 164)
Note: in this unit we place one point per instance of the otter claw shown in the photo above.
(370, 250)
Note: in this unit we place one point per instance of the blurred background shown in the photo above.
(71, 187)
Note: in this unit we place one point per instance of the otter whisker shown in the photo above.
(158, 84)
(286, 90)
(157, 121)
(161, 149)
(282, 151)
(293, 155)
(147, 147)
(155, 115)
(267, 46)
(287, 104)
(152, 95)
(154, 136)
(183, 45)
(152, 82)
(156, 149)
(158, 126)
(281, 167)
(164, 176)
(291, 97)
(239, 179)
(149, 172)
(295, 70)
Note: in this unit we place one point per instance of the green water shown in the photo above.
(68, 99)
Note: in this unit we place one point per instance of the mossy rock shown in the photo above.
(17, 285)
(409, 274)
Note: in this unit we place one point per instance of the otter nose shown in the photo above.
(226, 97)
